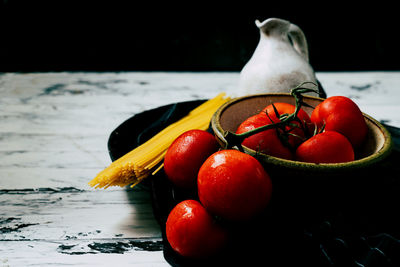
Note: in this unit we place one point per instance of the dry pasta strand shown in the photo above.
(145, 160)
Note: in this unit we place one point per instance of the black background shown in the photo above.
(191, 36)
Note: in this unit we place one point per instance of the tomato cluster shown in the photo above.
(334, 131)
(231, 185)
(279, 141)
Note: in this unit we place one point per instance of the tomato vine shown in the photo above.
(233, 139)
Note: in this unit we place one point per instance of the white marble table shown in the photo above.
(54, 129)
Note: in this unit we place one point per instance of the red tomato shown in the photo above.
(326, 147)
(342, 115)
(233, 185)
(192, 232)
(316, 118)
(286, 108)
(267, 141)
(186, 155)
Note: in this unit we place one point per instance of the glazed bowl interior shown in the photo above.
(234, 112)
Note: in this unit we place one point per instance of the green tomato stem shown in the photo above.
(233, 139)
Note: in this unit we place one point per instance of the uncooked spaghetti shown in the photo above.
(146, 159)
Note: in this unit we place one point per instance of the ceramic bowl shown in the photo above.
(229, 116)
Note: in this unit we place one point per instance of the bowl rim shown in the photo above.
(298, 165)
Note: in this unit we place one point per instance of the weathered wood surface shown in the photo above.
(54, 129)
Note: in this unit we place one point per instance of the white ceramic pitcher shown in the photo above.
(280, 61)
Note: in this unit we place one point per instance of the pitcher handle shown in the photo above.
(299, 40)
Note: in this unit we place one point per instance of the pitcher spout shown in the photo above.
(273, 26)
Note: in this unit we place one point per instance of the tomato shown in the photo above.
(233, 185)
(185, 156)
(303, 127)
(192, 232)
(341, 114)
(326, 147)
(267, 141)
